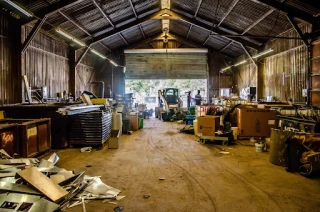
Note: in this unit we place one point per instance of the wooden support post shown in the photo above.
(72, 80)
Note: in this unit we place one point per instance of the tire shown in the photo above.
(225, 143)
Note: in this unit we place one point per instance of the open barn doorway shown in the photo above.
(146, 91)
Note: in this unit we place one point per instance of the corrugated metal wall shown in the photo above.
(85, 73)
(9, 61)
(46, 63)
(245, 76)
(282, 75)
(285, 74)
(216, 79)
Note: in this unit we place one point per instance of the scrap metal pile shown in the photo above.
(27, 184)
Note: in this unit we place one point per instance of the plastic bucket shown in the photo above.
(235, 132)
(259, 147)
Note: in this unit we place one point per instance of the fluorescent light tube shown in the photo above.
(78, 42)
(262, 53)
(97, 53)
(19, 8)
(70, 37)
(225, 68)
(64, 34)
(240, 63)
(113, 63)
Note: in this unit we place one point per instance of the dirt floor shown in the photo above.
(197, 176)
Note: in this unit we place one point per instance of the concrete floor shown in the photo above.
(197, 176)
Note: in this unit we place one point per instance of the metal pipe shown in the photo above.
(102, 88)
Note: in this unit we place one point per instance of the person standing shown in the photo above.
(198, 98)
(189, 100)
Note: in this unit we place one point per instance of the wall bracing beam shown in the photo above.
(32, 34)
(82, 56)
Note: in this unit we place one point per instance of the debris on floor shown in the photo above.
(162, 178)
(86, 149)
(28, 184)
(225, 153)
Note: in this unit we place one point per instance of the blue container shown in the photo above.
(189, 119)
(189, 122)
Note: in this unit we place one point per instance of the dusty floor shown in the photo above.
(197, 176)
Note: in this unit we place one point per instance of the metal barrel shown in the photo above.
(278, 146)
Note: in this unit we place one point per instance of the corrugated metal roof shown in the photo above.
(314, 9)
(179, 28)
(234, 49)
(210, 13)
(273, 25)
(243, 15)
(152, 27)
(133, 35)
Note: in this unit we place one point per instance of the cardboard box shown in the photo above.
(256, 122)
(208, 125)
(113, 142)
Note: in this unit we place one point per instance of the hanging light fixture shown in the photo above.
(113, 63)
(70, 37)
(254, 57)
(25, 12)
(97, 53)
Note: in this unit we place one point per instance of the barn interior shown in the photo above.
(161, 105)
